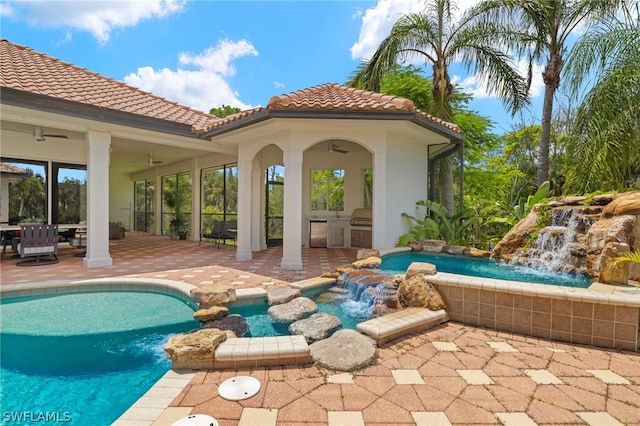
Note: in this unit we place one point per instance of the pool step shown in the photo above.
(262, 351)
(410, 320)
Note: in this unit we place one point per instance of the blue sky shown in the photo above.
(208, 53)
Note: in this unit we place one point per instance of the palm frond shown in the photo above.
(633, 256)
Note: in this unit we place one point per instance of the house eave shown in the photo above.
(49, 104)
(264, 115)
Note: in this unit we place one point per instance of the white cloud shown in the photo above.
(203, 87)
(99, 18)
(6, 10)
(278, 85)
(377, 22)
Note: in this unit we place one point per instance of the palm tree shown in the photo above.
(438, 38)
(605, 149)
(539, 28)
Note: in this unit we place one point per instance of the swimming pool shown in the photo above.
(84, 358)
(481, 267)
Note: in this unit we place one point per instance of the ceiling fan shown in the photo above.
(335, 148)
(150, 161)
(153, 162)
(39, 135)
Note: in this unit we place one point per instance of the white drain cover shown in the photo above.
(239, 387)
(196, 420)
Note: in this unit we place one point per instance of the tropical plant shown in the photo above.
(518, 212)
(176, 195)
(632, 256)
(224, 111)
(540, 29)
(438, 36)
(605, 148)
(28, 197)
(439, 225)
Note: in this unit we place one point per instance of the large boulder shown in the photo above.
(610, 271)
(516, 238)
(433, 246)
(317, 327)
(366, 253)
(345, 350)
(278, 296)
(208, 296)
(417, 292)
(235, 323)
(372, 262)
(210, 314)
(624, 204)
(416, 268)
(618, 229)
(297, 309)
(193, 349)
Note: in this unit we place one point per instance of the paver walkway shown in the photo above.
(452, 374)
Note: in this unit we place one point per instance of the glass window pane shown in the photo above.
(27, 193)
(367, 188)
(327, 189)
(176, 203)
(72, 194)
(144, 196)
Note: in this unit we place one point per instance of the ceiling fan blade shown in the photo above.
(56, 136)
(335, 148)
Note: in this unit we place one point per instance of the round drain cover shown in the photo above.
(197, 420)
(239, 387)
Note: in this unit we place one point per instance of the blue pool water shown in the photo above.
(482, 267)
(84, 358)
(350, 312)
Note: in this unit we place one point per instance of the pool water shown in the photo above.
(84, 358)
(337, 303)
(482, 267)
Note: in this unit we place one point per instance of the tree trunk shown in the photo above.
(445, 185)
(551, 77)
(545, 134)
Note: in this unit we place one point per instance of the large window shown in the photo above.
(69, 193)
(27, 198)
(176, 204)
(27, 192)
(219, 195)
(327, 190)
(144, 196)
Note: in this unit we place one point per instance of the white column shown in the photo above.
(196, 194)
(97, 199)
(243, 252)
(258, 238)
(292, 246)
(379, 207)
(157, 207)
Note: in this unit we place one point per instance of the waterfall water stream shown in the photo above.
(364, 292)
(556, 247)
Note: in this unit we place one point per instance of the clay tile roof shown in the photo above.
(335, 97)
(24, 69)
(6, 168)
